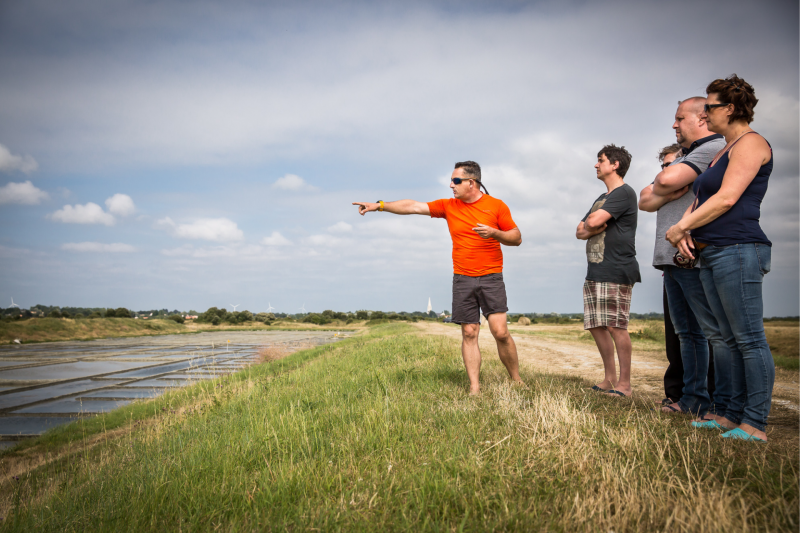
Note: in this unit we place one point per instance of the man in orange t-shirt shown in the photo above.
(478, 225)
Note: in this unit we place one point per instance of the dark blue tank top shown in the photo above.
(739, 225)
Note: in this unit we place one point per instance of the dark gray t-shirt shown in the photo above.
(699, 157)
(612, 253)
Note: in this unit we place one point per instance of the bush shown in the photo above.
(177, 318)
(95, 314)
(245, 316)
(110, 313)
(394, 316)
(377, 315)
(524, 321)
(314, 318)
(122, 312)
(329, 314)
(362, 315)
(265, 317)
(215, 320)
(55, 314)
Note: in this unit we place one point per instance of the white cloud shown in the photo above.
(116, 247)
(340, 227)
(10, 162)
(121, 204)
(208, 229)
(25, 193)
(292, 182)
(276, 239)
(90, 213)
(212, 252)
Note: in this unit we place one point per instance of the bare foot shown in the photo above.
(673, 409)
(750, 430)
(619, 393)
(519, 384)
(722, 421)
(474, 392)
(605, 385)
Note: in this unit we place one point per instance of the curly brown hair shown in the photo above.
(734, 90)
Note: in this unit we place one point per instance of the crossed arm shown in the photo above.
(595, 223)
(670, 184)
(512, 237)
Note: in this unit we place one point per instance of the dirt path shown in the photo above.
(548, 348)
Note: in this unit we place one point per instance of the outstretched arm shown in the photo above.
(400, 207)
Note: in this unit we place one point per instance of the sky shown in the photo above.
(185, 155)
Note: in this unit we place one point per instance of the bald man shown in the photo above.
(670, 196)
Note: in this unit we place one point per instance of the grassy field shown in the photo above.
(377, 433)
(60, 329)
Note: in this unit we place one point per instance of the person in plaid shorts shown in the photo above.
(609, 229)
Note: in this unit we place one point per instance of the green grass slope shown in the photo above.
(376, 433)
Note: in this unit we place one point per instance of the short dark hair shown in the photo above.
(671, 149)
(471, 169)
(617, 154)
(734, 90)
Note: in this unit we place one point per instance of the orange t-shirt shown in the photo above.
(472, 254)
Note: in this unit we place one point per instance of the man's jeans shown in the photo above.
(732, 277)
(696, 326)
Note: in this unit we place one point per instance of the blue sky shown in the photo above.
(221, 144)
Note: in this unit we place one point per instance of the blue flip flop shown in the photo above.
(709, 424)
(740, 434)
(614, 391)
(595, 387)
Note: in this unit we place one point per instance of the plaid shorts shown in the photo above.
(606, 304)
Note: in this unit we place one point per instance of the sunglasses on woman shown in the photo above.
(707, 107)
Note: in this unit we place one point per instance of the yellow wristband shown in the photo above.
(381, 207)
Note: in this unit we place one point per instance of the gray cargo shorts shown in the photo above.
(473, 295)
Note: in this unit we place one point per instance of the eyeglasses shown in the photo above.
(459, 181)
(707, 107)
(665, 165)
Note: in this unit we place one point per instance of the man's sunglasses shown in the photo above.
(665, 165)
(707, 107)
(459, 181)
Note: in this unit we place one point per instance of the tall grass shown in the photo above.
(377, 433)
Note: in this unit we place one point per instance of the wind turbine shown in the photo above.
(13, 304)
(234, 306)
(270, 308)
(303, 308)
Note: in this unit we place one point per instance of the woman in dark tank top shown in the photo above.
(722, 227)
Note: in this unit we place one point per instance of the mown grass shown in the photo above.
(377, 433)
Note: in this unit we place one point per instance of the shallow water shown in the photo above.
(74, 379)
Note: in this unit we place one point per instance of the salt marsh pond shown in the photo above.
(48, 384)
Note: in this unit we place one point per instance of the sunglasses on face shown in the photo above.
(459, 181)
(708, 107)
(665, 165)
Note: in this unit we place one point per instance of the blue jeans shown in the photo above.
(696, 326)
(732, 277)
